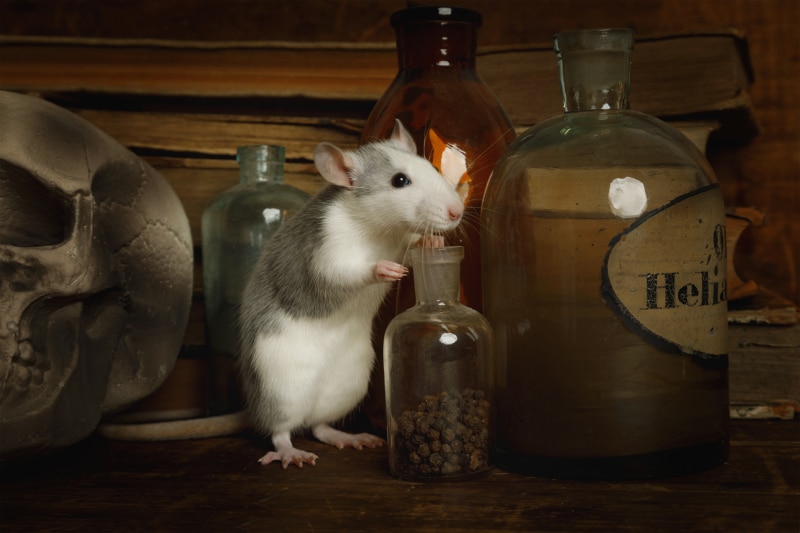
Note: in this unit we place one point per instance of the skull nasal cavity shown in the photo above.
(32, 214)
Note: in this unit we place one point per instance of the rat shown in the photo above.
(309, 304)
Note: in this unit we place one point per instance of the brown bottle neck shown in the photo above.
(436, 44)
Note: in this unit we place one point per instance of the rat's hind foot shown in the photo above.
(293, 456)
(340, 439)
(288, 454)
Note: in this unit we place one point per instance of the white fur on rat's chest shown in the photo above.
(325, 362)
(350, 250)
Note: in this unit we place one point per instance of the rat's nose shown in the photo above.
(455, 212)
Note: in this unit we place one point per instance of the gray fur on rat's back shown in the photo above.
(281, 283)
(291, 286)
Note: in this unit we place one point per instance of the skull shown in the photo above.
(95, 276)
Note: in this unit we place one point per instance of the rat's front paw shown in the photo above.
(431, 241)
(389, 271)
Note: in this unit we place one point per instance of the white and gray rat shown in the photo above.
(309, 305)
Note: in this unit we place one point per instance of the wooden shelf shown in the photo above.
(216, 485)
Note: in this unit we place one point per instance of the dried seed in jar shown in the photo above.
(429, 403)
(405, 424)
(451, 468)
(436, 459)
(424, 450)
(475, 461)
(457, 446)
(448, 434)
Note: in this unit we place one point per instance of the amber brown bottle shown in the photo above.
(456, 121)
(457, 124)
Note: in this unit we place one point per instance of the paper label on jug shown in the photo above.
(665, 275)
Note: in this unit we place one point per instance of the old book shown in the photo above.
(764, 370)
(682, 76)
(678, 76)
(764, 354)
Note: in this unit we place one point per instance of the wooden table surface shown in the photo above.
(216, 485)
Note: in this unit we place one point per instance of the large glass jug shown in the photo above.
(604, 280)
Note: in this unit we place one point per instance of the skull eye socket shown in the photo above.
(31, 214)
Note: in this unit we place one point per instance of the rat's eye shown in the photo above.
(400, 180)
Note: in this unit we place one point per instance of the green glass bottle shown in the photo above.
(234, 228)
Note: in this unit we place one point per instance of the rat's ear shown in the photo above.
(401, 136)
(334, 164)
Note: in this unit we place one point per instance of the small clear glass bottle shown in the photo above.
(604, 281)
(438, 378)
(234, 228)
